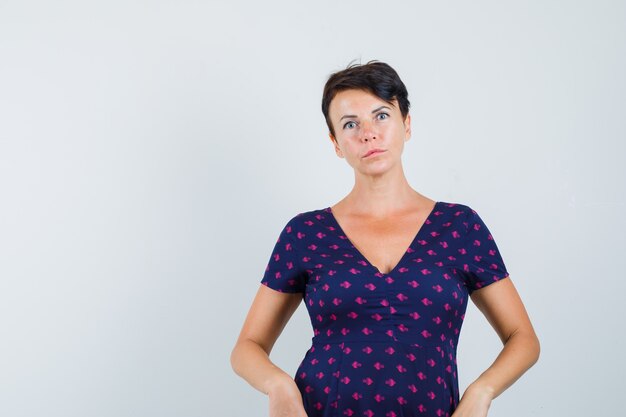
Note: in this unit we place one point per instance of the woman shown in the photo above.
(385, 275)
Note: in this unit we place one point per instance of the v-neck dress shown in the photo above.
(383, 344)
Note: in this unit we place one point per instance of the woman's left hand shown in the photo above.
(475, 402)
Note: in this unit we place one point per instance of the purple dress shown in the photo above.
(383, 345)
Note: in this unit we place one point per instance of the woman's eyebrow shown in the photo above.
(373, 111)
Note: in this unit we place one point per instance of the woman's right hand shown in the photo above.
(285, 399)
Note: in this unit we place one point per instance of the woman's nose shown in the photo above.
(367, 131)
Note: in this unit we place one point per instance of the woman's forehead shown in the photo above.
(357, 100)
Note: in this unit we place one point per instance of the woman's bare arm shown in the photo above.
(502, 306)
(268, 315)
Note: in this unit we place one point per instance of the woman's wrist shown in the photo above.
(481, 389)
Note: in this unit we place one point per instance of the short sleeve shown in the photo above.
(482, 263)
(284, 271)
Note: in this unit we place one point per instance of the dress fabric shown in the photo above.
(383, 344)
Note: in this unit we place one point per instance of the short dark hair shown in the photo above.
(375, 77)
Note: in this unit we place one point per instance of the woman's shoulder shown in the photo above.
(465, 214)
(302, 219)
(454, 206)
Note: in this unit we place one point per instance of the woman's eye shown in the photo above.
(349, 125)
(383, 116)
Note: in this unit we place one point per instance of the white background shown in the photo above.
(150, 153)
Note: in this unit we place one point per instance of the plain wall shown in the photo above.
(150, 152)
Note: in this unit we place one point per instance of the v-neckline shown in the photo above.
(404, 255)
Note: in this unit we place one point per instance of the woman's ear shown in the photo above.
(407, 126)
(336, 145)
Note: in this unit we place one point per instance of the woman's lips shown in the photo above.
(374, 152)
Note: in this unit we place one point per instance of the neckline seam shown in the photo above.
(404, 254)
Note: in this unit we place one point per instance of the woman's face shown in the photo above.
(363, 122)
